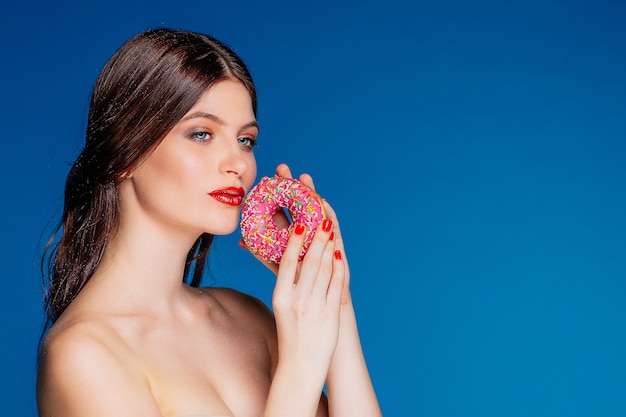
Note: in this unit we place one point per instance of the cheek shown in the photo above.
(176, 161)
(184, 169)
(250, 175)
(168, 173)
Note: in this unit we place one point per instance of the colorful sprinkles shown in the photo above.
(268, 197)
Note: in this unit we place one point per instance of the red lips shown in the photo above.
(232, 196)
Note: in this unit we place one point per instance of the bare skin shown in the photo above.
(138, 342)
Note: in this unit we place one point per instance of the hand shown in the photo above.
(307, 311)
(281, 221)
(307, 300)
(284, 171)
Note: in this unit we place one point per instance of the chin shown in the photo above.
(219, 224)
(222, 230)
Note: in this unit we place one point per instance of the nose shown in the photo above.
(235, 160)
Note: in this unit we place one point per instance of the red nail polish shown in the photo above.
(299, 229)
(338, 255)
(327, 224)
(332, 236)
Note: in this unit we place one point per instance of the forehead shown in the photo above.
(227, 99)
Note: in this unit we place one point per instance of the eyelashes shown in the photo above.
(203, 136)
(249, 142)
(200, 136)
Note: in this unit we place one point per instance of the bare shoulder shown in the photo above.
(75, 361)
(249, 311)
(240, 302)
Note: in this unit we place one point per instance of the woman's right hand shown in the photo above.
(306, 303)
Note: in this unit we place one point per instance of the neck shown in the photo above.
(145, 262)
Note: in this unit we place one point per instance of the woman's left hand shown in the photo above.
(282, 222)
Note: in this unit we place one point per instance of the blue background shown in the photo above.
(475, 152)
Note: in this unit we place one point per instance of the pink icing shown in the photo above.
(268, 197)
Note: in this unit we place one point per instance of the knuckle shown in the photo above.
(280, 301)
(326, 269)
(300, 308)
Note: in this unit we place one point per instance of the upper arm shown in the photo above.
(80, 375)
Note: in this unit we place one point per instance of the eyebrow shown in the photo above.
(217, 119)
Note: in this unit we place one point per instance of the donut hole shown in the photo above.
(282, 218)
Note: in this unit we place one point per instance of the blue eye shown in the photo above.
(248, 142)
(200, 136)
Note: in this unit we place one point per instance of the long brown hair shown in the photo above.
(144, 89)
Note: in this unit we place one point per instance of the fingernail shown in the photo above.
(299, 229)
(332, 236)
(338, 255)
(327, 224)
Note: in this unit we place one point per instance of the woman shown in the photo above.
(167, 160)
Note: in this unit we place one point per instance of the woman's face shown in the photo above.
(196, 177)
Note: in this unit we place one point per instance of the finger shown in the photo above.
(312, 260)
(307, 180)
(283, 170)
(336, 287)
(288, 268)
(325, 271)
(339, 245)
(330, 214)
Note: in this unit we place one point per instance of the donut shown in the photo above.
(268, 197)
